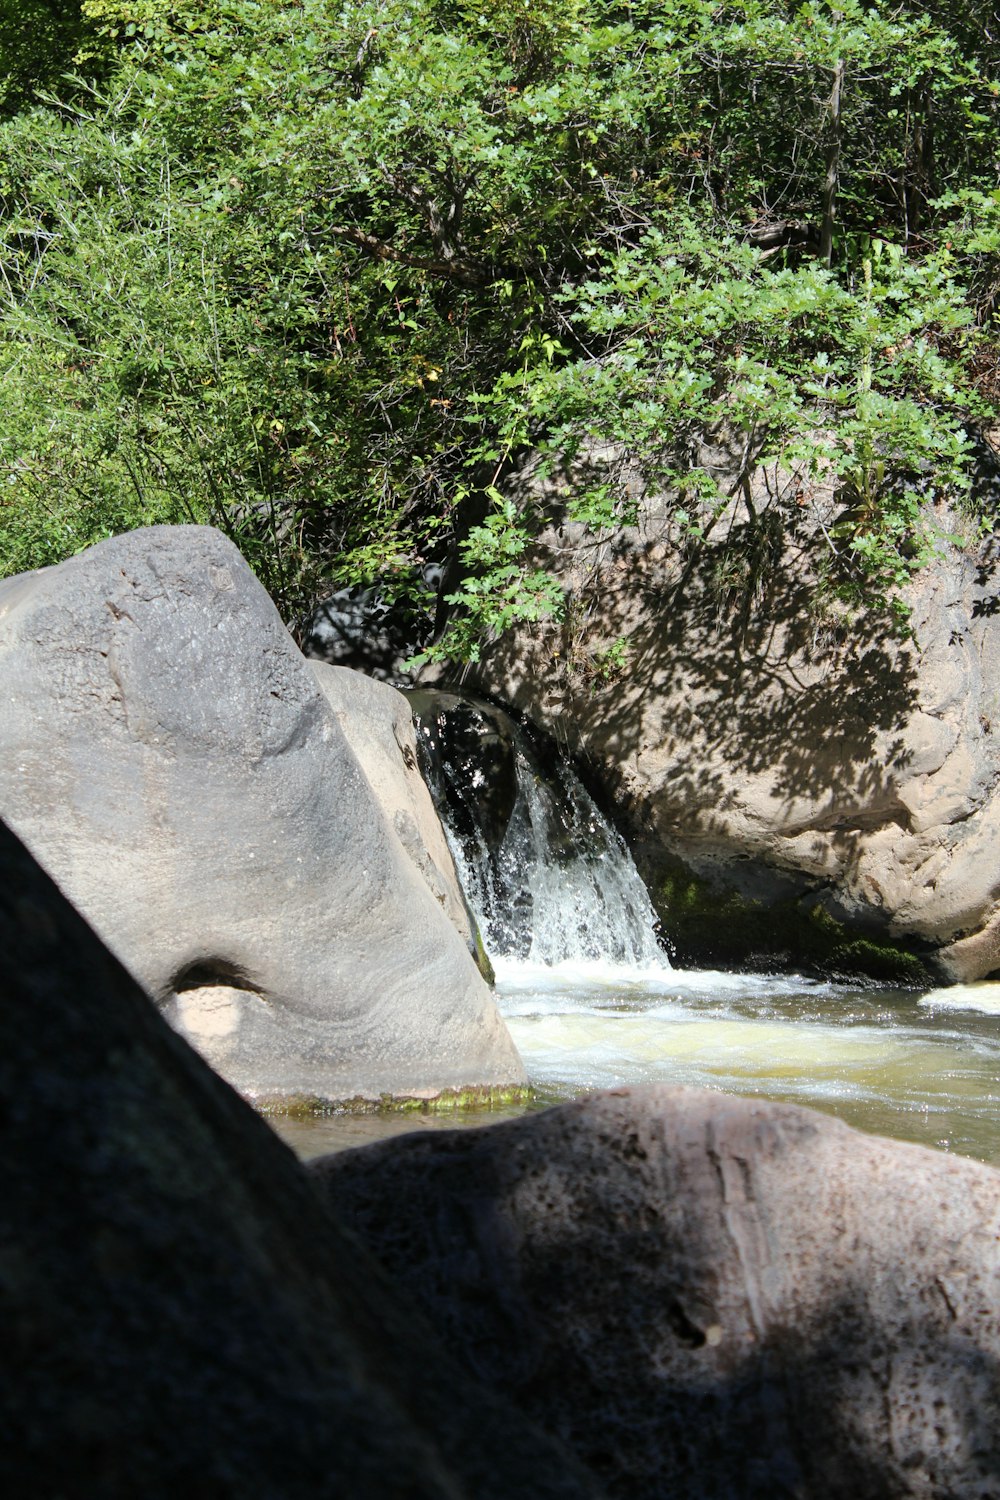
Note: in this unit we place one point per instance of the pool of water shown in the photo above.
(918, 1067)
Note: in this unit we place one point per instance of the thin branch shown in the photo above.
(466, 273)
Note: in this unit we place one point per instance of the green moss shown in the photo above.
(882, 961)
(480, 954)
(477, 1097)
(483, 1097)
(708, 925)
(294, 1106)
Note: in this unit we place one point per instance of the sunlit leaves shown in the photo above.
(321, 272)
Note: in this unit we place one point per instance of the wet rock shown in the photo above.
(180, 1314)
(547, 875)
(468, 748)
(167, 753)
(709, 1296)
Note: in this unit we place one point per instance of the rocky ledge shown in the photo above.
(804, 782)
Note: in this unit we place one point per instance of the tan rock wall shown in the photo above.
(759, 728)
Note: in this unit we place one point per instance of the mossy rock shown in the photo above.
(483, 962)
(709, 925)
(483, 1097)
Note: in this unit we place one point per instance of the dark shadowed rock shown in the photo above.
(468, 747)
(166, 752)
(709, 1296)
(356, 628)
(180, 1314)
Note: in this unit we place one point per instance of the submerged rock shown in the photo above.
(708, 1296)
(167, 753)
(180, 1314)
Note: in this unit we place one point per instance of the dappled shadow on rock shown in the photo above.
(770, 750)
(180, 1313)
(733, 675)
(708, 1296)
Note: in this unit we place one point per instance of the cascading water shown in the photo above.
(592, 1002)
(547, 876)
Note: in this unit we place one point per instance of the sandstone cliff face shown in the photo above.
(825, 780)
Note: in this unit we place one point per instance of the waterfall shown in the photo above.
(548, 878)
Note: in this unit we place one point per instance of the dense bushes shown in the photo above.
(317, 273)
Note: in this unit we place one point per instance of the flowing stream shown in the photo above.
(593, 1002)
(922, 1068)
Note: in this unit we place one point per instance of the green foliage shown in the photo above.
(500, 589)
(318, 274)
(849, 377)
(38, 43)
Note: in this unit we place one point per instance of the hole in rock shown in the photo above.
(687, 1332)
(206, 973)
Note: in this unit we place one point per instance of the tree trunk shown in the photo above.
(832, 180)
(917, 188)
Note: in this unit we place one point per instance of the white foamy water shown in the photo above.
(547, 876)
(894, 1062)
(592, 1001)
(605, 981)
(983, 997)
(588, 905)
(883, 1060)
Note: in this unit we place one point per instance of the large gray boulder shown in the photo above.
(799, 779)
(180, 1314)
(708, 1296)
(378, 725)
(167, 754)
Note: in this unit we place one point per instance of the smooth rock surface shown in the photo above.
(167, 754)
(708, 1296)
(797, 753)
(180, 1314)
(378, 725)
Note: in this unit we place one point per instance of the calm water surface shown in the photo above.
(922, 1068)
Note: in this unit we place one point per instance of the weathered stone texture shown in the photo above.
(180, 1314)
(812, 757)
(378, 725)
(709, 1296)
(167, 754)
